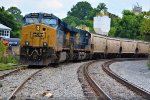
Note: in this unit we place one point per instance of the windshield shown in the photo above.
(51, 22)
(31, 20)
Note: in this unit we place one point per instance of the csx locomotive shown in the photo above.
(46, 39)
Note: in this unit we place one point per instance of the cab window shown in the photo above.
(31, 20)
(51, 22)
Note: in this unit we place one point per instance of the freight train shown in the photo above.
(46, 39)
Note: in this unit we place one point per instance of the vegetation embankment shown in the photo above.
(7, 61)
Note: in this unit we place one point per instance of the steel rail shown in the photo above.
(19, 87)
(11, 72)
(98, 92)
(123, 81)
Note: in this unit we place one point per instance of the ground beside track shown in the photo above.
(10, 82)
(62, 82)
(111, 87)
(135, 72)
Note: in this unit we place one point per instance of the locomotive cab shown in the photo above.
(38, 39)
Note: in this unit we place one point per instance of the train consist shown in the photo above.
(46, 39)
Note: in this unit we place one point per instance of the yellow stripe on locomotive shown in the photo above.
(38, 35)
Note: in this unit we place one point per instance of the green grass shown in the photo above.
(6, 67)
(149, 65)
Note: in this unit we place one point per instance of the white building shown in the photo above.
(4, 31)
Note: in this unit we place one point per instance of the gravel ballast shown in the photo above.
(10, 82)
(135, 72)
(110, 86)
(62, 82)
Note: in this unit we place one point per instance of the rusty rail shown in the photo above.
(98, 92)
(11, 72)
(12, 96)
(123, 81)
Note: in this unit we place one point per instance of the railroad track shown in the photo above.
(93, 89)
(13, 71)
(90, 83)
(12, 95)
(123, 81)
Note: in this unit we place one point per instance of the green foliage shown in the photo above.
(82, 14)
(81, 10)
(145, 26)
(101, 8)
(9, 59)
(6, 67)
(16, 13)
(149, 65)
(127, 12)
(12, 59)
(9, 20)
(73, 21)
(2, 49)
(14, 10)
(130, 26)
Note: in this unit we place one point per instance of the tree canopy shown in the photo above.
(101, 8)
(16, 13)
(81, 10)
(131, 25)
(9, 20)
(82, 14)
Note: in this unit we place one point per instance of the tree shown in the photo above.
(114, 25)
(145, 29)
(81, 10)
(14, 10)
(9, 20)
(101, 8)
(72, 21)
(128, 26)
(127, 12)
(16, 13)
(91, 14)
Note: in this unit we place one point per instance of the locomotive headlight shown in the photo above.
(45, 44)
(27, 43)
(37, 27)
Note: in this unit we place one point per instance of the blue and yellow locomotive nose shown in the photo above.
(38, 35)
(38, 43)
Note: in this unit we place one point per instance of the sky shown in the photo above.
(61, 7)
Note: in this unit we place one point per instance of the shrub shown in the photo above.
(12, 59)
(6, 67)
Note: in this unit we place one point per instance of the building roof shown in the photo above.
(4, 27)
